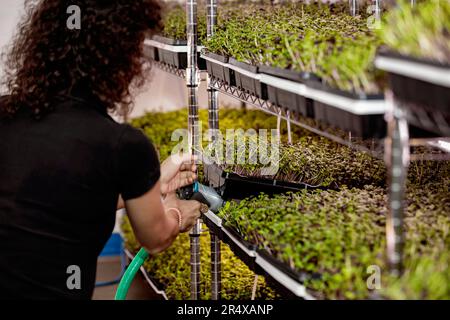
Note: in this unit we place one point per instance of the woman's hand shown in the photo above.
(190, 212)
(177, 171)
(189, 209)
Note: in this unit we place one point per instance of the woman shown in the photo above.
(64, 163)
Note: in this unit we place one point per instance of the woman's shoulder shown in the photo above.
(132, 136)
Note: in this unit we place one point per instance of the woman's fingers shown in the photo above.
(188, 166)
(177, 171)
(186, 178)
(181, 159)
(184, 175)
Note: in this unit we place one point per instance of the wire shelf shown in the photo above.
(180, 73)
(372, 146)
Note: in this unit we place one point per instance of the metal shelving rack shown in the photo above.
(398, 142)
(395, 149)
(170, 69)
(345, 138)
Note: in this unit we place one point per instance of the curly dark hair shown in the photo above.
(47, 59)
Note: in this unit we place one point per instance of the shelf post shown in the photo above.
(213, 122)
(378, 10)
(354, 7)
(397, 160)
(192, 81)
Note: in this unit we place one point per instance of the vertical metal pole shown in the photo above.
(354, 8)
(378, 10)
(213, 121)
(192, 81)
(397, 160)
(288, 123)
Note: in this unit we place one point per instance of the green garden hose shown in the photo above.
(130, 273)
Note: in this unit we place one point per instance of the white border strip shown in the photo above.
(355, 106)
(416, 70)
(153, 43)
(298, 289)
(214, 218)
(235, 68)
(250, 253)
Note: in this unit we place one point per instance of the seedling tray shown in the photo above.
(233, 186)
(151, 52)
(296, 275)
(280, 277)
(176, 59)
(244, 250)
(420, 92)
(289, 100)
(363, 126)
(170, 41)
(218, 71)
(248, 83)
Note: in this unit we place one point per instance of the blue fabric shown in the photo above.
(113, 247)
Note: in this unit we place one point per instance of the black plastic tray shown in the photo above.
(362, 126)
(426, 95)
(151, 52)
(175, 59)
(233, 186)
(293, 102)
(419, 93)
(296, 76)
(170, 41)
(296, 275)
(297, 104)
(218, 71)
(250, 261)
(248, 84)
(349, 94)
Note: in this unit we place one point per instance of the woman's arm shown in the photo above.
(120, 203)
(155, 226)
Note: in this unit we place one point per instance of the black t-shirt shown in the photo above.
(60, 178)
